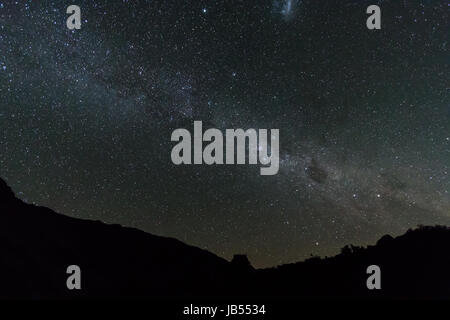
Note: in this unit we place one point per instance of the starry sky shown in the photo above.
(364, 117)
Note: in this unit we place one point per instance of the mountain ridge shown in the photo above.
(37, 245)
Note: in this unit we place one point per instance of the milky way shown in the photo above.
(364, 118)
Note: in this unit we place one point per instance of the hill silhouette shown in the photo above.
(37, 245)
(413, 266)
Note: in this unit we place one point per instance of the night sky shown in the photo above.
(364, 117)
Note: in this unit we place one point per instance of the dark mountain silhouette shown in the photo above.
(414, 265)
(37, 245)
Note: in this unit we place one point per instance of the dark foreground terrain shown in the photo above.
(37, 245)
